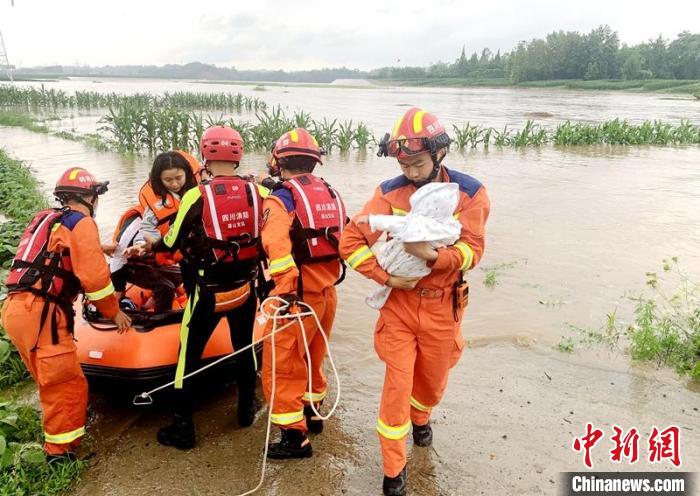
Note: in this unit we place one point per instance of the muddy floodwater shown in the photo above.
(572, 232)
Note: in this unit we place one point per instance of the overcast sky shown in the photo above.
(310, 34)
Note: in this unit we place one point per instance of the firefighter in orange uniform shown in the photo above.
(58, 257)
(418, 334)
(304, 218)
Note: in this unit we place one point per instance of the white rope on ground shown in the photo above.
(145, 398)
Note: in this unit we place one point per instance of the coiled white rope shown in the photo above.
(280, 312)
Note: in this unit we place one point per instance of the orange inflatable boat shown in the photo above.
(148, 352)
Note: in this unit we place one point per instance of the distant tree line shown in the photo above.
(569, 55)
(198, 70)
(561, 55)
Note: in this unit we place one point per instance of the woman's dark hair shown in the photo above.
(298, 163)
(166, 161)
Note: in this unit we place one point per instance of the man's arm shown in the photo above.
(357, 239)
(278, 246)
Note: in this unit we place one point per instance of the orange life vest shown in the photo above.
(165, 209)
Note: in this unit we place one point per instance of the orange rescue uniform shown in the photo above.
(56, 369)
(291, 389)
(417, 335)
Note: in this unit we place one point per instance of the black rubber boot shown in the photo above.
(291, 445)
(395, 486)
(315, 426)
(422, 435)
(248, 406)
(68, 456)
(179, 434)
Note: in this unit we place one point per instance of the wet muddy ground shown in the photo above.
(506, 426)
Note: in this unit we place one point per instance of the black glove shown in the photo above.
(292, 299)
(269, 182)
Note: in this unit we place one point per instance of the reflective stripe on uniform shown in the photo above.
(66, 437)
(315, 397)
(281, 264)
(419, 406)
(212, 212)
(467, 254)
(398, 211)
(264, 192)
(256, 208)
(98, 295)
(287, 418)
(189, 199)
(392, 432)
(184, 334)
(358, 256)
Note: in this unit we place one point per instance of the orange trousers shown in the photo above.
(292, 366)
(419, 341)
(63, 390)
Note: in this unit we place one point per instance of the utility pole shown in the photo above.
(4, 61)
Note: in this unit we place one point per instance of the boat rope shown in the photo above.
(281, 311)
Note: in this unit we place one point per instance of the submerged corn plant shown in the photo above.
(345, 136)
(363, 136)
(38, 98)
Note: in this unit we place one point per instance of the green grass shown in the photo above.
(20, 195)
(14, 119)
(12, 370)
(665, 327)
(23, 467)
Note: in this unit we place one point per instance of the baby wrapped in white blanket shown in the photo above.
(430, 219)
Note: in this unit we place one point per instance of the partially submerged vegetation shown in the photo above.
(665, 329)
(26, 121)
(493, 272)
(614, 132)
(33, 98)
(133, 128)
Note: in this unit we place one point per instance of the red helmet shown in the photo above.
(416, 132)
(78, 181)
(296, 142)
(221, 143)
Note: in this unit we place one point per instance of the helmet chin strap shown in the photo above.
(87, 205)
(433, 173)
